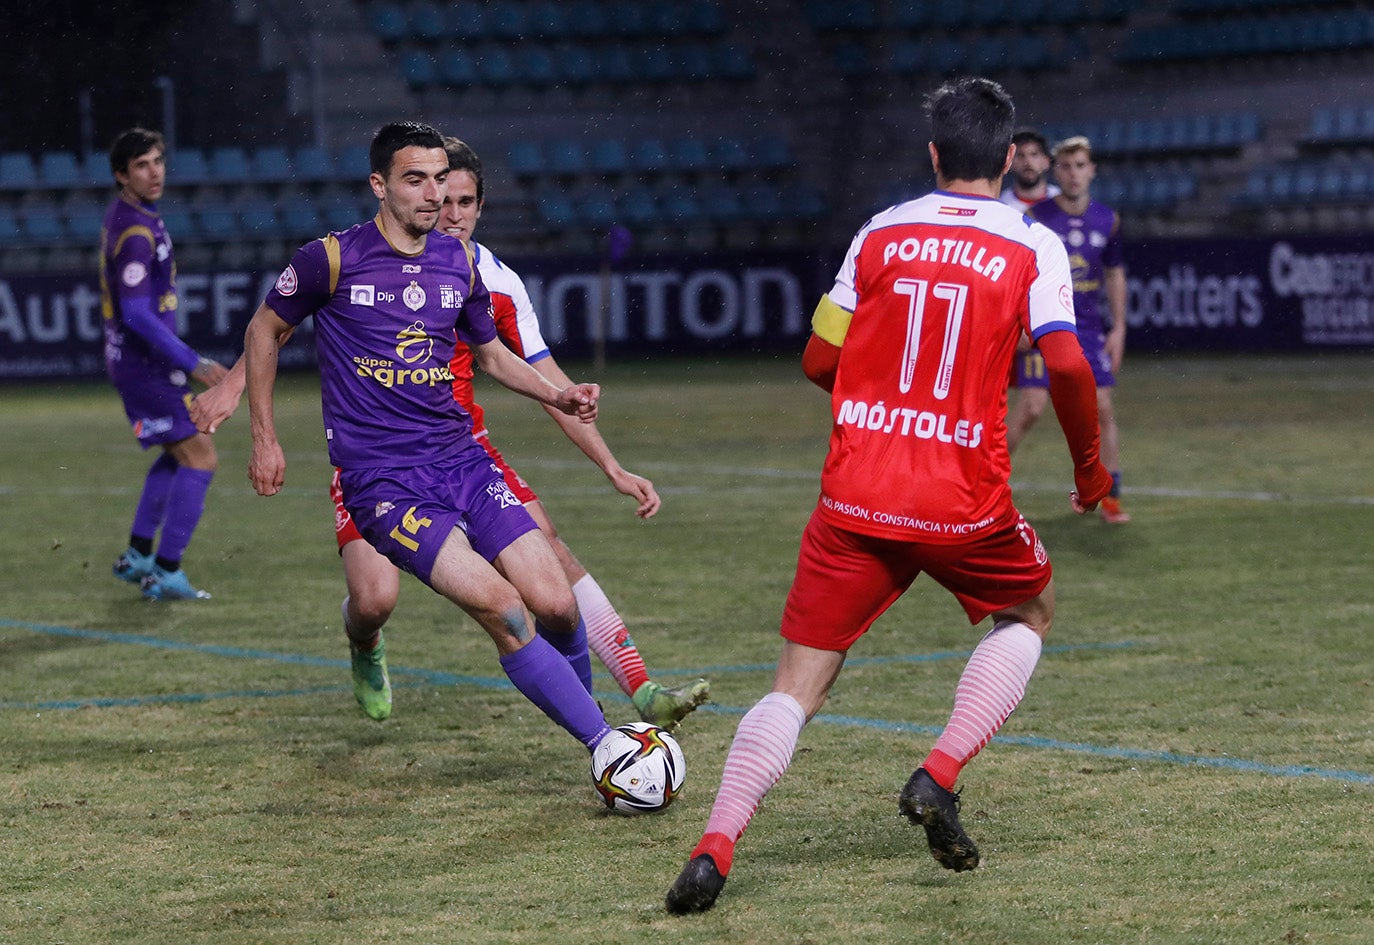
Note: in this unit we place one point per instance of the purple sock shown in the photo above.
(152, 505)
(184, 505)
(544, 677)
(573, 646)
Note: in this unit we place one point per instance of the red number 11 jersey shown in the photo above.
(927, 309)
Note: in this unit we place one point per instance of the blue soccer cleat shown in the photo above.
(133, 566)
(171, 585)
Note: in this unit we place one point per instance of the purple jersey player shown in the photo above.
(390, 299)
(1091, 232)
(149, 366)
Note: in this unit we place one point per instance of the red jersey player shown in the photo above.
(915, 341)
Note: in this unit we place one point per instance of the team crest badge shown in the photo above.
(413, 296)
(413, 344)
(287, 283)
(382, 508)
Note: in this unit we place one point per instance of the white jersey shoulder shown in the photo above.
(503, 281)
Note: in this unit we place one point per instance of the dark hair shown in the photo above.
(970, 125)
(396, 135)
(1031, 136)
(461, 157)
(132, 143)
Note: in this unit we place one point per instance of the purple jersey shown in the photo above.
(136, 267)
(385, 327)
(1093, 241)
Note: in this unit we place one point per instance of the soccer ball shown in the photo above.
(638, 768)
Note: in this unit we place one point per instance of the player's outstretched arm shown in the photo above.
(510, 370)
(1074, 394)
(1114, 285)
(820, 362)
(588, 439)
(261, 342)
(217, 404)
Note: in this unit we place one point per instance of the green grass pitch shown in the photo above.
(1193, 763)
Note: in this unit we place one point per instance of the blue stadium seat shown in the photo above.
(772, 152)
(682, 206)
(270, 164)
(84, 219)
(417, 68)
(545, 19)
(587, 19)
(526, 159)
(732, 62)
(457, 68)
(42, 222)
(188, 166)
(614, 65)
(763, 202)
(652, 63)
(988, 53)
(428, 22)
(301, 219)
(596, 208)
(258, 218)
(388, 21)
(17, 171)
(218, 223)
(608, 156)
(10, 234)
(505, 20)
(697, 63)
(354, 163)
(911, 14)
(1031, 51)
(851, 59)
(637, 207)
(946, 55)
(704, 17)
(60, 169)
(650, 156)
(575, 64)
(467, 21)
(803, 201)
(906, 57)
(730, 154)
(567, 158)
(534, 65)
(314, 165)
(688, 154)
(230, 165)
(628, 18)
(667, 18)
(556, 208)
(721, 203)
(95, 170)
(179, 222)
(496, 66)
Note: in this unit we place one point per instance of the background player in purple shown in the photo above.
(1091, 232)
(149, 366)
(390, 300)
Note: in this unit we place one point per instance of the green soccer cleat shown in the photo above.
(371, 682)
(664, 707)
(133, 566)
(160, 584)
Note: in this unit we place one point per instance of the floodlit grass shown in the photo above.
(1194, 762)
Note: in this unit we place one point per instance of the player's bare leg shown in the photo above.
(1110, 508)
(1030, 404)
(538, 670)
(611, 642)
(989, 690)
(760, 753)
(374, 585)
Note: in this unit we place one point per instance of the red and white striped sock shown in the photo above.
(760, 753)
(607, 636)
(990, 688)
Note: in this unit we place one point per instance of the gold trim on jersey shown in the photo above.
(831, 322)
(145, 232)
(332, 253)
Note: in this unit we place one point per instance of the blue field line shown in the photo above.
(935, 657)
(441, 678)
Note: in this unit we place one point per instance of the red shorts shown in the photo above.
(846, 580)
(345, 531)
(519, 486)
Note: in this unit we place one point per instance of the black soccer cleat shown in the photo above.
(927, 804)
(696, 887)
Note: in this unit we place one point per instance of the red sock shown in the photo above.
(719, 848)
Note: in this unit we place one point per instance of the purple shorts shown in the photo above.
(1030, 366)
(157, 405)
(406, 513)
